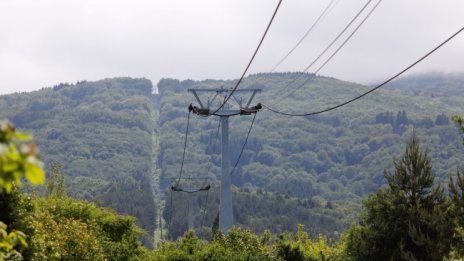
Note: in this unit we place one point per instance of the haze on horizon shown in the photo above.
(46, 42)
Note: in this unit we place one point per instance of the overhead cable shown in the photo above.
(204, 209)
(329, 46)
(330, 57)
(251, 60)
(244, 144)
(211, 145)
(185, 145)
(371, 90)
(168, 233)
(319, 19)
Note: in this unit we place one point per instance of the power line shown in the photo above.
(331, 56)
(371, 90)
(326, 49)
(185, 198)
(251, 60)
(244, 144)
(319, 19)
(168, 233)
(210, 146)
(185, 145)
(183, 157)
(181, 167)
(204, 209)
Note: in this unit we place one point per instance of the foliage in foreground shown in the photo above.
(17, 161)
(62, 228)
(8, 242)
(56, 227)
(83, 231)
(241, 244)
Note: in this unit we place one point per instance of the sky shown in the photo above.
(46, 42)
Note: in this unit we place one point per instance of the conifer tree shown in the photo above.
(407, 220)
(456, 188)
(457, 212)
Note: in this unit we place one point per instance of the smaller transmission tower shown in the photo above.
(190, 191)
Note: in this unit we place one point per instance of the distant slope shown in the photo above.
(431, 84)
(101, 133)
(338, 156)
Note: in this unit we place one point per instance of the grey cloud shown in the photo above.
(51, 41)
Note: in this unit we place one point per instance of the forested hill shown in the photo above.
(338, 155)
(334, 157)
(310, 170)
(100, 133)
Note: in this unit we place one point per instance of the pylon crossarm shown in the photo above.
(227, 92)
(241, 111)
(251, 98)
(198, 99)
(190, 190)
(239, 102)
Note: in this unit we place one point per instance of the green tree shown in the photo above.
(62, 228)
(302, 247)
(459, 120)
(457, 198)
(457, 210)
(56, 183)
(17, 161)
(408, 219)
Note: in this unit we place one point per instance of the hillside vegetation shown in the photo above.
(100, 133)
(302, 170)
(312, 171)
(333, 159)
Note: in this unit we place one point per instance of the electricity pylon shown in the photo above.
(236, 105)
(189, 192)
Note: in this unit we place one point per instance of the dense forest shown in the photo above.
(100, 133)
(118, 143)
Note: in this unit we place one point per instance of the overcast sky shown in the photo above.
(45, 42)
